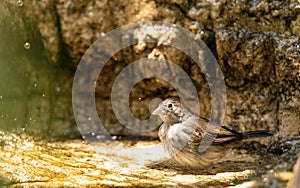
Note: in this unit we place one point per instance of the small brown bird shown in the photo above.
(182, 131)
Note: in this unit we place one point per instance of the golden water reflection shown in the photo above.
(25, 162)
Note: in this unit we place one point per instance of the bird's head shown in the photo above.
(170, 111)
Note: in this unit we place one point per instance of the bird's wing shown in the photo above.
(217, 134)
(227, 134)
(206, 134)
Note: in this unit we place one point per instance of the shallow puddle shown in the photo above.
(28, 163)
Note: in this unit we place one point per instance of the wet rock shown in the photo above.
(255, 42)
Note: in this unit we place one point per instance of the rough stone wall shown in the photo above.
(255, 42)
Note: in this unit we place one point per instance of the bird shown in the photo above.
(182, 131)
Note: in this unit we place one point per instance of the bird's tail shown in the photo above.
(253, 134)
(232, 135)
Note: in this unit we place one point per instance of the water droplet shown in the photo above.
(194, 25)
(2, 116)
(93, 134)
(140, 98)
(35, 85)
(265, 179)
(44, 95)
(57, 89)
(30, 119)
(15, 119)
(89, 118)
(102, 34)
(100, 137)
(20, 3)
(27, 45)
(8, 155)
(1, 97)
(192, 12)
(231, 184)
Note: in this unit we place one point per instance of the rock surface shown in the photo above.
(255, 42)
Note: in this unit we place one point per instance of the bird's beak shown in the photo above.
(158, 111)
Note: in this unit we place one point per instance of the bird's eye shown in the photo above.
(170, 105)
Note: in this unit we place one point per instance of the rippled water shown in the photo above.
(27, 162)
